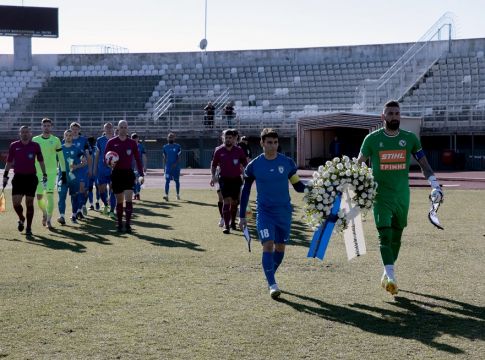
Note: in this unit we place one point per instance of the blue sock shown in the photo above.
(278, 258)
(74, 203)
(112, 201)
(104, 198)
(268, 267)
(90, 197)
(167, 186)
(177, 186)
(80, 200)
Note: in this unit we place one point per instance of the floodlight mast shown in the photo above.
(203, 42)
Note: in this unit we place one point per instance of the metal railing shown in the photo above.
(408, 69)
(162, 105)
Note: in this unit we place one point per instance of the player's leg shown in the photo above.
(236, 191)
(40, 199)
(17, 206)
(168, 177)
(19, 184)
(97, 195)
(220, 202)
(266, 234)
(282, 236)
(29, 203)
(61, 202)
(400, 221)
(128, 209)
(82, 195)
(383, 218)
(176, 179)
(49, 195)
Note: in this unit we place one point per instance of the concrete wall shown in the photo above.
(368, 53)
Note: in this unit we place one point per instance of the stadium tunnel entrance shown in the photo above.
(321, 137)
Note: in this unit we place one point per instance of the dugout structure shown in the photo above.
(315, 133)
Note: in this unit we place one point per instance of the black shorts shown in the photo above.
(230, 187)
(24, 184)
(122, 179)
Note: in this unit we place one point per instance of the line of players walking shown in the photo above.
(79, 168)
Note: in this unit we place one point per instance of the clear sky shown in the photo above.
(178, 25)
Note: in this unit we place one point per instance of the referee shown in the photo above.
(21, 156)
(123, 176)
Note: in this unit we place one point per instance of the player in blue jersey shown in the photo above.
(75, 162)
(92, 180)
(103, 172)
(144, 161)
(81, 142)
(271, 171)
(171, 155)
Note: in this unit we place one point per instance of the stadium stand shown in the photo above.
(161, 92)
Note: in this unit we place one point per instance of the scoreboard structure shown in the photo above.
(29, 21)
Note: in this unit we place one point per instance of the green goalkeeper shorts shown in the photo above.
(391, 214)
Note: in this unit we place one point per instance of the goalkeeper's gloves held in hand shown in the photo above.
(63, 178)
(436, 192)
(5, 180)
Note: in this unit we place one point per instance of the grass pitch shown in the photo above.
(178, 288)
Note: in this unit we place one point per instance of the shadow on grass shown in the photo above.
(191, 202)
(55, 244)
(150, 225)
(411, 321)
(173, 243)
(162, 204)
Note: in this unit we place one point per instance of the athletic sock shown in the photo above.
(268, 267)
(90, 197)
(119, 214)
(167, 187)
(278, 259)
(219, 205)
(42, 205)
(389, 270)
(74, 203)
(104, 198)
(226, 213)
(128, 212)
(80, 201)
(30, 215)
(20, 211)
(396, 242)
(177, 186)
(233, 214)
(112, 201)
(50, 204)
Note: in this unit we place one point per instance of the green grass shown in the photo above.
(180, 289)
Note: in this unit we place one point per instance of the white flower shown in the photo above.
(333, 193)
(341, 213)
(328, 163)
(319, 182)
(320, 169)
(331, 169)
(348, 173)
(327, 183)
(333, 177)
(321, 191)
(361, 178)
(325, 195)
(309, 183)
(363, 195)
(320, 206)
(340, 166)
(330, 188)
(305, 191)
(319, 198)
(360, 188)
(355, 182)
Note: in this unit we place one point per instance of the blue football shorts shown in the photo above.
(273, 226)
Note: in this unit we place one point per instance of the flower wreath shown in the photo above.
(331, 179)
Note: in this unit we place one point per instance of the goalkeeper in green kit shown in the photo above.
(390, 149)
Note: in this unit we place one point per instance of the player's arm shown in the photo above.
(145, 160)
(214, 164)
(139, 165)
(96, 159)
(88, 156)
(245, 192)
(362, 158)
(8, 166)
(428, 172)
(298, 185)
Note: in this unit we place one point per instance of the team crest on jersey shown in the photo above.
(235, 161)
(72, 152)
(128, 152)
(31, 156)
(381, 144)
(281, 169)
(402, 142)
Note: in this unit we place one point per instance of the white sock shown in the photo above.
(62, 215)
(389, 270)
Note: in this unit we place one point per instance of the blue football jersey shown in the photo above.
(272, 178)
(172, 153)
(101, 146)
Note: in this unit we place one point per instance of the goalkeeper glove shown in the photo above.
(63, 178)
(5, 180)
(436, 194)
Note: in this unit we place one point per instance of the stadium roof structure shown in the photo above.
(333, 121)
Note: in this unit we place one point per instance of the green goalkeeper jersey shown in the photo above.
(51, 148)
(390, 157)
